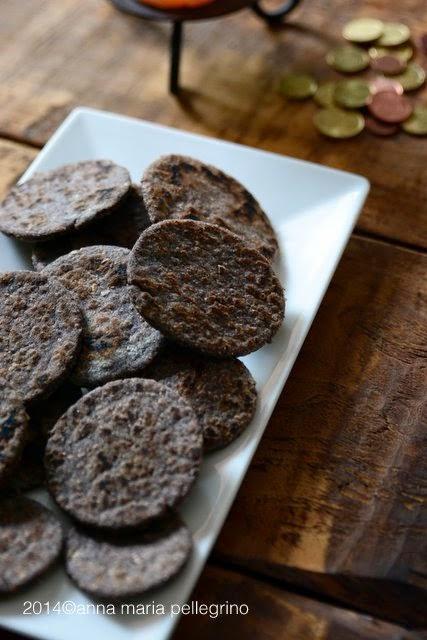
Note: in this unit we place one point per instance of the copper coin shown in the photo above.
(423, 43)
(385, 84)
(390, 107)
(379, 128)
(389, 65)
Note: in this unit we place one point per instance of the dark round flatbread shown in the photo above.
(30, 541)
(63, 200)
(40, 333)
(122, 228)
(205, 288)
(123, 454)
(13, 429)
(178, 187)
(222, 393)
(117, 342)
(115, 566)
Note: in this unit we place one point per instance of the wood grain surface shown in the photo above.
(335, 498)
(279, 615)
(31, 114)
(86, 52)
(14, 159)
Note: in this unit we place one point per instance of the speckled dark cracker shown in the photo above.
(122, 228)
(13, 429)
(123, 454)
(116, 566)
(117, 342)
(40, 332)
(203, 287)
(30, 541)
(222, 393)
(177, 187)
(62, 200)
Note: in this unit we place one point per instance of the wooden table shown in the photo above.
(327, 537)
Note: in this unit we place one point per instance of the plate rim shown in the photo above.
(81, 112)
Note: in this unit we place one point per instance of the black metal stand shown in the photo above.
(212, 10)
(176, 41)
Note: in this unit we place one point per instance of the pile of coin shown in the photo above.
(379, 102)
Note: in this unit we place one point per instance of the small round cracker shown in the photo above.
(222, 393)
(13, 429)
(123, 454)
(117, 342)
(30, 541)
(62, 200)
(121, 228)
(116, 566)
(203, 287)
(178, 187)
(40, 333)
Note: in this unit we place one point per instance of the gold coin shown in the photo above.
(352, 94)
(403, 53)
(324, 95)
(347, 59)
(394, 33)
(363, 30)
(337, 123)
(298, 86)
(412, 78)
(416, 124)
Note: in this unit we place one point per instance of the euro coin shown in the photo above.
(363, 30)
(394, 33)
(385, 84)
(403, 53)
(388, 65)
(416, 124)
(390, 107)
(352, 94)
(412, 78)
(298, 86)
(379, 128)
(337, 123)
(324, 95)
(348, 59)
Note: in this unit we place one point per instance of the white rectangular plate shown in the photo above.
(313, 210)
